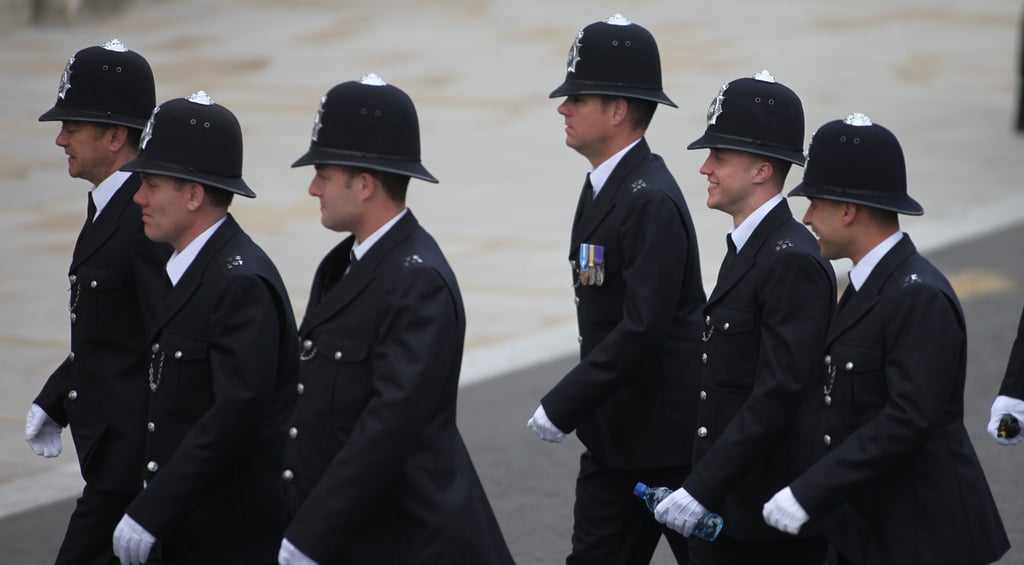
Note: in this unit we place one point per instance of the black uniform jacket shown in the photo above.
(223, 360)
(100, 388)
(899, 455)
(632, 397)
(764, 337)
(376, 470)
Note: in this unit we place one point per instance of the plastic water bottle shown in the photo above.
(707, 528)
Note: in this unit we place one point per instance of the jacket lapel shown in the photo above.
(587, 222)
(746, 258)
(861, 302)
(359, 276)
(190, 282)
(107, 223)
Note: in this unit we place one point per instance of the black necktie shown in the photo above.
(847, 294)
(730, 254)
(91, 208)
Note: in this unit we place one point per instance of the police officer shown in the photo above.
(105, 96)
(764, 327)
(900, 482)
(637, 279)
(222, 359)
(375, 468)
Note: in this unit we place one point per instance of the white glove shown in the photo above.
(132, 542)
(679, 511)
(544, 427)
(1005, 405)
(784, 513)
(42, 433)
(291, 555)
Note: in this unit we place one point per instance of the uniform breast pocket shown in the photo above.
(98, 299)
(734, 345)
(859, 384)
(181, 370)
(345, 366)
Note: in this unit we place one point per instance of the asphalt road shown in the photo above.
(530, 483)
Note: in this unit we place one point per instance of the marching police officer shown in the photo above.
(900, 482)
(222, 359)
(764, 327)
(375, 468)
(105, 96)
(637, 279)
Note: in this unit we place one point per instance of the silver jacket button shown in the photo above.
(300, 388)
(73, 395)
(287, 475)
(828, 439)
(152, 466)
(151, 427)
(293, 432)
(702, 431)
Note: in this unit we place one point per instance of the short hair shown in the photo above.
(639, 112)
(219, 197)
(395, 185)
(880, 216)
(133, 136)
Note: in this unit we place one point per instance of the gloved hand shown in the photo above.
(784, 513)
(291, 555)
(41, 432)
(132, 542)
(1006, 405)
(679, 511)
(544, 427)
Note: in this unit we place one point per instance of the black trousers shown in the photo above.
(727, 550)
(89, 539)
(611, 525)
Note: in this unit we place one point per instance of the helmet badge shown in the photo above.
(618, 20)
(372, 79)
(65, 79)
(318, 120)
(858, 119)
(764, 76)
(574, 53)
(147, 133)
(715, 109)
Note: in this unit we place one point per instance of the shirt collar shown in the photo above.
(860, 272)
(600, 174)
(180, 261)
(361, 248)
(742, 232)
(105, 190)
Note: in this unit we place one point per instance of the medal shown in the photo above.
(591, 264)
(584, 264)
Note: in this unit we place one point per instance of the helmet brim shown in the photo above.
(59, 114)
(569, 88)
(149, 166)
(715, 141)
(899, 203)
(323, 156)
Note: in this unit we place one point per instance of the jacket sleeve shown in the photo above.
(1013, 380)
(654, 243)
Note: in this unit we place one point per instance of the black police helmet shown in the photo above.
(370, 124)
(614, 57)
(193, 139)
(756, 115)
(855, 160)
(107, 84)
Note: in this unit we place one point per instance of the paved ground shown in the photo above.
(942, 74)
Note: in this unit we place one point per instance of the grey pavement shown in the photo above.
(942, 74)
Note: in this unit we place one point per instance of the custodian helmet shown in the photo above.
(107, 84)
(193, 139)
(370, 124)
(756, 115)
(855, 160)
(615, 57)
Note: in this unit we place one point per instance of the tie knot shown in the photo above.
(729, 243)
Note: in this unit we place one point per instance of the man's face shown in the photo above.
(340, 205)
(823, 216)
(87, 146)
(165, 209)
(587, 124)
(730, 179)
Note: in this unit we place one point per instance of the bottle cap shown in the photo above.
(640, 490)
